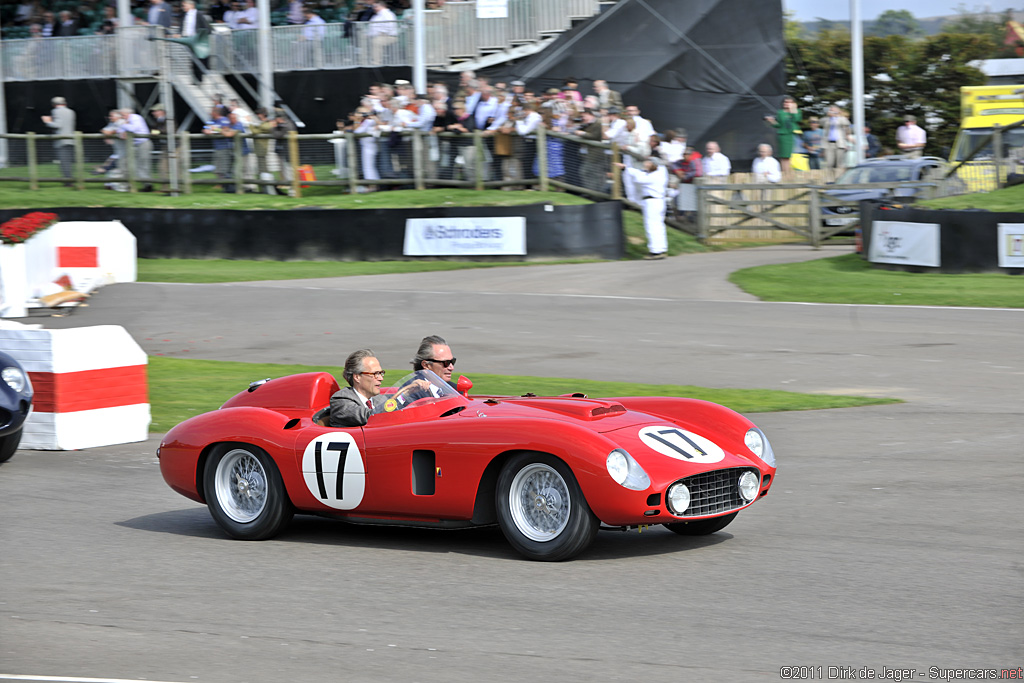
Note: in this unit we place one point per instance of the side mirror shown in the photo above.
(463, 385)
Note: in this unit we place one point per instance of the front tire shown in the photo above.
(541, 509)
(9, 444)
(245, 492)
(701, 527)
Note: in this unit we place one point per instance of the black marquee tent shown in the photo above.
(713, 67)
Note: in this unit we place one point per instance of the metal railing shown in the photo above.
(451, 34)
(351, 164)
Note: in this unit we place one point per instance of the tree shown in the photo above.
(902, 76)
(895, 23)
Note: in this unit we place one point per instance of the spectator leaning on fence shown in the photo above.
(716, 165)
(62, 120)
(766, 168)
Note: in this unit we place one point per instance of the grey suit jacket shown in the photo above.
(64, 122)
(348, 409)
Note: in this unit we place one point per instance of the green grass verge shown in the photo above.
(220, 270)
(851, 279)
(1007, 199)
(180, 388)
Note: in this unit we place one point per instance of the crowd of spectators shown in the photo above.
(65, 18)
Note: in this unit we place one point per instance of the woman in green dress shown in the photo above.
(786, 122)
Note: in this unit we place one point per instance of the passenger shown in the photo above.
(351, 406)
(435, 355)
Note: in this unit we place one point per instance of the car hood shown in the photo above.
(856, 195)
(599, 415)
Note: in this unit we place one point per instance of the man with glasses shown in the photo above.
(435, 355)
(351, 406)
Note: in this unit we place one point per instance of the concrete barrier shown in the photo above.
(90, 385)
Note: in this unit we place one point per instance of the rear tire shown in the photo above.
(701, 527)
(245, 492)
(9, 444)
(541, 509)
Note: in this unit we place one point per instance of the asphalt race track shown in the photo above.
(891, 540)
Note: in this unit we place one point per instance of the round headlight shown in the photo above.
(758, 444)
(748, 486)
(626, 471)
(14, 378)
(618, 466)
(678, 498)
(754, 441)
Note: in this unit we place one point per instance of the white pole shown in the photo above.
(419, 63)
(857, 71)
(3, 109)
(124, 50)
(266, 67)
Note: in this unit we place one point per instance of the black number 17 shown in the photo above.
(342, 448)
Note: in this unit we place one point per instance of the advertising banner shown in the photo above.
(905, 244)
(485, 236)
(1011, 245)
(491, 9)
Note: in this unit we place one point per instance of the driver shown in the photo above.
(435, 355)
(350, 407)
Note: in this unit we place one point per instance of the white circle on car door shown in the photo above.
(680, 444)
(333, 470)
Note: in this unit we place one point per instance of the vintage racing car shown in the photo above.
(550, 471)
(15, 404)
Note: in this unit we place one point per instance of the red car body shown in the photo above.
(446, 462)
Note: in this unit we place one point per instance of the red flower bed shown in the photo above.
(20, 229)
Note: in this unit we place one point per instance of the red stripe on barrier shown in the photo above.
(78, 257)
(69, 392)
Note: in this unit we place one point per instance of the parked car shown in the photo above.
(895, 169)
(15, 404)
(549, 471)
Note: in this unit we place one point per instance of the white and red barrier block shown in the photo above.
(90, 253)
(90, 386)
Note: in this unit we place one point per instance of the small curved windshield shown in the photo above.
(418, 387)
(979, 143)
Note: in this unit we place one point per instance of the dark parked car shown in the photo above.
(896, 169)
(15, 404)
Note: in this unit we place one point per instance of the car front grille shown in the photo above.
(844, 209)
(6, 417)
(715, 492)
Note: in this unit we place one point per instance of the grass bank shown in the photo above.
(850, 279)
(180, 388)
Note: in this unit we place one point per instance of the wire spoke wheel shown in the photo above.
(241, 485)
(541, 509)
(539, 500)
(245, 493)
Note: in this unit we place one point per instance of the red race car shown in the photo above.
(549, 471)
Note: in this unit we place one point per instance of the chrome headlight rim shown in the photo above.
(758, 444)
(625, 471)
(748, 485)
(677, 498)
(15, 378)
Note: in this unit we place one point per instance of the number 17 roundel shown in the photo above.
(333, 470)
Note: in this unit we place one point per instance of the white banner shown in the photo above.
(907, 244)
(492, 9)
(1011, 245)
(494, 236)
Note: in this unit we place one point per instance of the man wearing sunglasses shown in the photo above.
(435, 355)
(350, 407)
